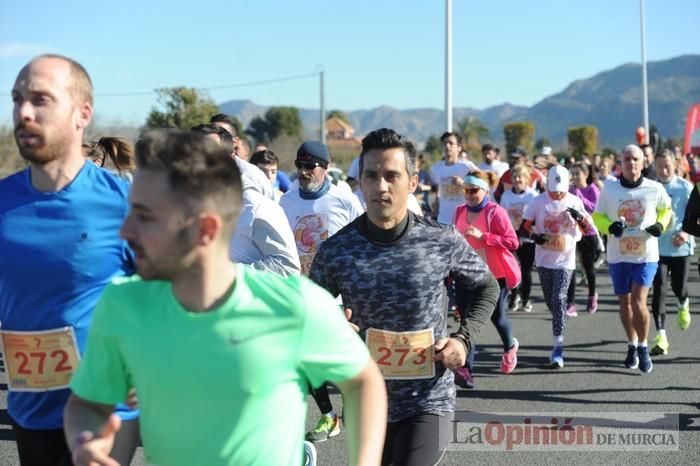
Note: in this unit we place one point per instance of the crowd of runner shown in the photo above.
(173, 293)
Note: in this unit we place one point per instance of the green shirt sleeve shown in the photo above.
(101, 376)
(329, 350)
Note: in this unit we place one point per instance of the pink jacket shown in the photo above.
(497, 242)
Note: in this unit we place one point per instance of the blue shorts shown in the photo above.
(623, 274)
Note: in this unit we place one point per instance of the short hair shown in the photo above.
(81, 85)
(264, 157)
(522, 170)
(582, 166)
(119, 152)
(447, 134)
(223, 118)
(385, 138)
(633, 149)
(199, 171)
(225, 138)
(665, 153)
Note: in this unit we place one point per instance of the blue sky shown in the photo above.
(374, 52)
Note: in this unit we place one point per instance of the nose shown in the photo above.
(126, 231)
(23, 111)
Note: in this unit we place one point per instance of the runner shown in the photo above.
(634, 211)
(114, 154)
(691, 219)
(587, 247)
(519, 157)
(390, 267)
(514, 201)
(487, 228)
(554, 221)
(675, 250)
(316, 209)
(59, 248)
(245, 342)
(448, 175)
(491, 162)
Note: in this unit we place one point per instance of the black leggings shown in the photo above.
(417, 441)
(322, 398)
(526, 256)
(587, 249)
(678, 268)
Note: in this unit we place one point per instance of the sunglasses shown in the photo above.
(306, 165)
(471, 190)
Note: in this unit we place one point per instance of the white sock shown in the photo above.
(632, 343)
(643, 344)
(558, 340)
(662, 332)
(330, 415)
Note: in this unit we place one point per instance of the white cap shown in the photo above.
(546, 150)
(558, 179)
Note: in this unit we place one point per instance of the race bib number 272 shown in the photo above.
(40, 360)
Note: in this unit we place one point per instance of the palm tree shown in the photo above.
(472, 131)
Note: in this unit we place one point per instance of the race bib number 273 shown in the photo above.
(402, 355)
(40, 360)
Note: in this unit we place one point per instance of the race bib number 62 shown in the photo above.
(402, 355)
(39, 360)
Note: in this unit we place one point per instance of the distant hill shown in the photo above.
(610, 100)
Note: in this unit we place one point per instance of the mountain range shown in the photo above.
(610, 100)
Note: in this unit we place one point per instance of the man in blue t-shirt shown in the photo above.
(59, 248)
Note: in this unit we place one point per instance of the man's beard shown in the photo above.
(45, 151)
(178, 259)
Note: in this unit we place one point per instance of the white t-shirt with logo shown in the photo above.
(450, 195)
(497, 167)
(315, 220)
(515, 204)
(639, 208)
(551, 219)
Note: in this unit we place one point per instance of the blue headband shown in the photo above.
(474, 181)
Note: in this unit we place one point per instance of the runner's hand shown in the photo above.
(93, 450)
(655, 229)
(538, 239)
(616, 229)
(680, 239)
(473, 231)
(575, 214)
(348, 316)
(450, 352)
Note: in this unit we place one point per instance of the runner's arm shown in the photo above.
(90, 431)
(365, 411)
(277, 247)
(692, 214)
(602, 222)
(664, 210)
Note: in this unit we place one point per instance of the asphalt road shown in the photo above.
(593, 380)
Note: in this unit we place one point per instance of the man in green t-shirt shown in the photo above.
(214, 350)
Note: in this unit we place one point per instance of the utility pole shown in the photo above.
(645, 92)
(323, 109)
(448, 65)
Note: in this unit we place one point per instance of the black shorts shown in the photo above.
(417, 441)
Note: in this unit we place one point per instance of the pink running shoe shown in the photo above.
(510, 358)
(463, 377)
(592, 304)
(571, 310)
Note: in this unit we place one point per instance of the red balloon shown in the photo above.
(641, 135)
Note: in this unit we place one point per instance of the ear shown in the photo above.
(412, 183)
(83, 115)
(210, 227)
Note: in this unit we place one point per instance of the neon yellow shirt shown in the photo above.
(224, 387)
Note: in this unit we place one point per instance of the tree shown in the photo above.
(278, 121)
(181, 107)
(519, 134)
(472, 131)
(433, 147)
(338, 114)
(583, 140)
(10, 160)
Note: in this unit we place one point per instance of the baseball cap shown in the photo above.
(546, 150)
(519, 152)
(558, 179)
(314, 151)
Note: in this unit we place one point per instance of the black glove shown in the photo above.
(655, 230)
(538, 239)
(575, 214)
(616, 229)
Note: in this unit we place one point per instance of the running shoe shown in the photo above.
(464, 377)
(558, 357)
(632, 360)
(509, 359)
(527, 307)
(599, 262)
(592, 305)
(513, 302)
(309, 454)
(645, 364)
(326, 428)
(661, 346)
(684, 314)
(571, 310)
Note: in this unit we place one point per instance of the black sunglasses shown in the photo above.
(306, 165)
